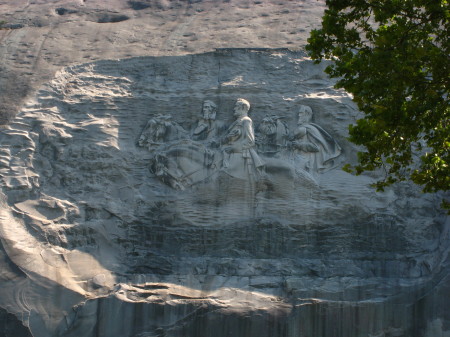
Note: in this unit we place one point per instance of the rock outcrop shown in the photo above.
(38, 38)
(121, 215)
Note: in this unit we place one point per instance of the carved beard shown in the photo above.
(209, 116)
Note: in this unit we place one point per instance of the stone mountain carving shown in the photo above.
(273, 135)
(181, 160)
(159, 131)
(183, 163)
(241, 159)
(208, 128)
(313, 144)
(95, 228)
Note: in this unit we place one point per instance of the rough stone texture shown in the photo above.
(96, 244)
(42, 36)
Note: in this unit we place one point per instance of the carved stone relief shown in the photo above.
(273, 135)
(316, 147)
(104, 196)
(240, 157)
(182, 158)
(160, 130)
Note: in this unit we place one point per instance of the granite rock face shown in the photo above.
(39, 37)
(138, 199)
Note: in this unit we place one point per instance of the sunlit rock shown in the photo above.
(142, 197)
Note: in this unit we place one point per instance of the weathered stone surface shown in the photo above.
(39, 37)
(97, 243)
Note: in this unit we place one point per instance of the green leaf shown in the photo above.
(399, 76)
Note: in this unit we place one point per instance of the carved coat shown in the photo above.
(319, 146)
(207, 129)
(241, 160)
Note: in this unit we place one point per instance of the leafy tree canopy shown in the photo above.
(393, 56)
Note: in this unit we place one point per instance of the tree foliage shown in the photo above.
(393, 56)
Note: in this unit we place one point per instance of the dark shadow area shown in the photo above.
(10, 326)
(111, 18)
(64, 11)
(138, 5)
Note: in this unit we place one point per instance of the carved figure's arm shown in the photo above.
(248, 139)
(300, 132)
(202, 126)
(232, 136)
